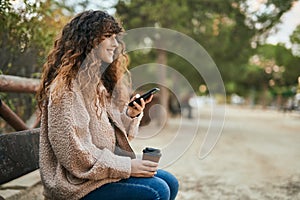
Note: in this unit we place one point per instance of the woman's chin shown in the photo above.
(108, 61)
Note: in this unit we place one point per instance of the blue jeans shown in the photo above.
(163, 186)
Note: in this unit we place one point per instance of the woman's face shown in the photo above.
(107, 47)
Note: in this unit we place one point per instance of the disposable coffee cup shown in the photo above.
(151, 154)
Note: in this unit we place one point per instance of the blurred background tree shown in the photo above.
(295, 39)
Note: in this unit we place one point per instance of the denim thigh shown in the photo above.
(163, 186)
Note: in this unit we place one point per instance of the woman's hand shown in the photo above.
(143, 168)
(137, 108)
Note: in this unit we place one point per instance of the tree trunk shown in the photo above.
(163, 114)
(264, 96)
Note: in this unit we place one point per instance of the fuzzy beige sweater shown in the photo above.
(78, 149)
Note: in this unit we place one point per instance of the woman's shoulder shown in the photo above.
(59, 91)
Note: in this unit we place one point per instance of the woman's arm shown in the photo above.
(132, 116)
(70, 139)
(130, 124)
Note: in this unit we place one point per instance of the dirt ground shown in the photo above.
(256, 157)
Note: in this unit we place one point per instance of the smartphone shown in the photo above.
(144, 96)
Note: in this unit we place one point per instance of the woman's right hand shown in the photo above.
(143, 168)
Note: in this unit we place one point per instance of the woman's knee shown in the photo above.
(161, 188)
(171, 181)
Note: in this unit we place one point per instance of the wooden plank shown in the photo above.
(19, 154)
(11, 118)
(10, 83)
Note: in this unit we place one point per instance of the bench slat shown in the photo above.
(19, 154)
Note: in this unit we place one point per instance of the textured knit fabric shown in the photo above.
(77, 146)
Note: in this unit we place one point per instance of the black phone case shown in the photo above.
(144, 96)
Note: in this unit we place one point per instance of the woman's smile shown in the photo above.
(108, 47)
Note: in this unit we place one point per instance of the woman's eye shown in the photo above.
(107, 35)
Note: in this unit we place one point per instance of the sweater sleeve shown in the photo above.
(72, 145)
(131, 124)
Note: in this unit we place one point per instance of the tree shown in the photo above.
(273, 68)
(295, 40)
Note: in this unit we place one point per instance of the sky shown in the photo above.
(290, 20)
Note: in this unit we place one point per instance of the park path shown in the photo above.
(256, 157)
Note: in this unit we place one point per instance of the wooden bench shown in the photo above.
(19, 154)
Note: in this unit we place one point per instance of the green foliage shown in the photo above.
(295, 40)
(295, 37)
(162, 13)
(289, 65)
(274, 69)
(27, 35)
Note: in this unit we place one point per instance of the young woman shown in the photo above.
(86, 124)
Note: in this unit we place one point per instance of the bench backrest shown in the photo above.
(19, 154)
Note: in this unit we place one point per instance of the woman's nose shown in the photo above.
(115, 42)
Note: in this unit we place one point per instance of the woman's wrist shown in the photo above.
(130, 115)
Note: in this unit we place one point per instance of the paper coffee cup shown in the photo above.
(151, 154)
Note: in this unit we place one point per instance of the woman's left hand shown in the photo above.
(133, 111)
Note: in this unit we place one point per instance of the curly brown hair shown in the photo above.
(72, 50)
